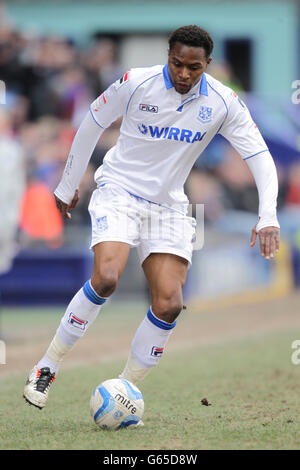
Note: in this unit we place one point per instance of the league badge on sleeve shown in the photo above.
(122, 80)
(205, 114)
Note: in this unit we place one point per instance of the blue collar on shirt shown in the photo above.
(169, 84)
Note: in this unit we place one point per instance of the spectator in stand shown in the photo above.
(101, 64)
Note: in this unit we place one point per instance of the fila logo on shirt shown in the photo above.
(171, 133)
(150, 108)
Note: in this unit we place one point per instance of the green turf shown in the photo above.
(251, 384)
(18, 318)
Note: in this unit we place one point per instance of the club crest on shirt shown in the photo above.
(205, 114)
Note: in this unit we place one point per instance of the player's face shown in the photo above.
(186, 65)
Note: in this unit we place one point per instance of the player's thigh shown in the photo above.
(166, 275)
(164, 270)
(110, 259)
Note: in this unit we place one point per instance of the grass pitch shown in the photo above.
(250, 385)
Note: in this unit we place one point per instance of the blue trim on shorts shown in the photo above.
(91, 294)
(160, 323)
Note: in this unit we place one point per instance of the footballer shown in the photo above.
(169, 113)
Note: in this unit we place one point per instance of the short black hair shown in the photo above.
(194, 36)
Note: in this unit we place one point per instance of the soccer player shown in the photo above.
(170, 114)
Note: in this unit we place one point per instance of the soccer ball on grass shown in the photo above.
(116, 404)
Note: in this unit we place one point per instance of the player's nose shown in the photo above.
(184, 74)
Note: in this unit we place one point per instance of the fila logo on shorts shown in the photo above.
(75, 321)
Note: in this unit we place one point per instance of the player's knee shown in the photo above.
(105, 282)
(167, 308)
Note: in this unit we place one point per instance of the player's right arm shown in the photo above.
(103, 111)
(65, 208)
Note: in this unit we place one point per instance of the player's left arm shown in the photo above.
(269, 238)
(240, 130)
(264, 172)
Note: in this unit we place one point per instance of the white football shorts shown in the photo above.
(120, 216)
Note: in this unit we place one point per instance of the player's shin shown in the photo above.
(79, 315)
(147, 347)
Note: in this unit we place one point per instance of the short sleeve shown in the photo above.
(241, 131)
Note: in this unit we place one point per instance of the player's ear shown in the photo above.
(208, 61)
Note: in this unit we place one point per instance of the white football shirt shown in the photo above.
(162, 134)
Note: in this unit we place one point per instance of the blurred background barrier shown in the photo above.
(57, 57)
(232, 274)
(43, 277)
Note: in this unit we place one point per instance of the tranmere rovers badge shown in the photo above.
(205, 114)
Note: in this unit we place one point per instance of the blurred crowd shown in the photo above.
(50, 82)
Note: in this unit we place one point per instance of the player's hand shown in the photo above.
(64, 208)
(268, 239)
